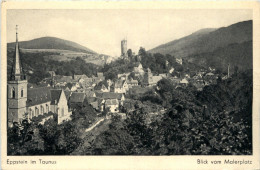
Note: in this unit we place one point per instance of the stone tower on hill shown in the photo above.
(124, 48)
(16, 88)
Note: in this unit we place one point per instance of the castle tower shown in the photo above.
(16, 88)
(124, 48)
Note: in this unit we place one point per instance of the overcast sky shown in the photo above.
(102, 30)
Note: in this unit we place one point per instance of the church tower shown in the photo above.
(16, 88)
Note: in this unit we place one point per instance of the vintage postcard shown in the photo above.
(130, 85)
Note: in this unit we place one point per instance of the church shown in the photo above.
(28, 103)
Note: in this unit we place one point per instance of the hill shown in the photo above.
(52, 43)
(207, 40)
(236, 55)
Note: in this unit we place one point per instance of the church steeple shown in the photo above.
(17, 70)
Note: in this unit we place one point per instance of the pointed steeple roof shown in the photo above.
(17, 71)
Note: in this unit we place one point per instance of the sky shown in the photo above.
(102, 30)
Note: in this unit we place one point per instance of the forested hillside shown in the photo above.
(52, 43)
(207, 41)
(36, 67)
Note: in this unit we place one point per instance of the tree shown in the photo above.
(69, 139)
(130, 54)
(114, 141)
(142, 52)
(23, 139)
(50, 134)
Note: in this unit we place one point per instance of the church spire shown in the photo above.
(17, 71)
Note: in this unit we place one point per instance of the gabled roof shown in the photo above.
(77, 97)
(37, 96)
(55, 96)
(112, 102)
(100, 85)
(156, 79)
(184, 81)
(66, 79)
(90, 93)
(109, 95)
(77, 77)
(67, 94)
(91, 99)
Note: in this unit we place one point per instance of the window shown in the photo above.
(62, 112)
(13, 93)
(22, 93)
(36, 111)
(29, 115)
(47, 108)
(42, 110)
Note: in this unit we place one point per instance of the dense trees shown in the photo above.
(216, 121)
(37, 71)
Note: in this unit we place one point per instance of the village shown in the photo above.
(59, 93)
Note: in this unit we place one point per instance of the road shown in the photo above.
(93, 126)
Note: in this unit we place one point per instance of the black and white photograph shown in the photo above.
(129, 82)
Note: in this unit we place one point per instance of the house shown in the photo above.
(78, 77)
(76, 98)
(138, 70)
(131, 83)
(111, 95)
(112, 105)
(52, 73)
(184, 82)
(149, 79)
(102, 86)
(96, 103)
(179, 60)
(156, 79)
(120, 86)
(163, 75)
(123, 76)
(90, 93)
(63, 79)
(171, 70)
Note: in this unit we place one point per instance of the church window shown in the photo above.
(42, 110)
(36, 112)
(47, 108)
(62, 112)
(13, 93)
(22, 93)
(30, 113)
